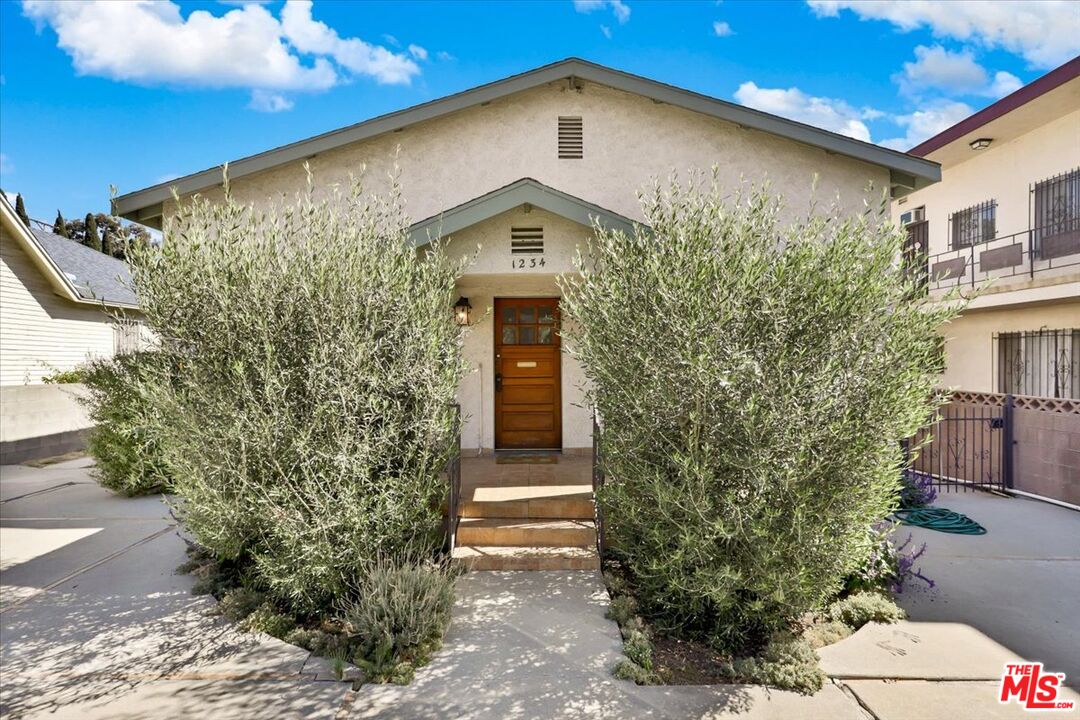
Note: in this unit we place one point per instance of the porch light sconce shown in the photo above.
(980, 143)
(461, 311)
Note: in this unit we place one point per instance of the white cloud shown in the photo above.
(6, 166)
(927, 122)
(618, 7)
(166, 178)
(722, 29)
(147, 42)
(606, 30)
(1004, 84)
(269, 102)
(444, 56)
(954, 72)
(312, 36)
(418, 52)
(936, 67)
(1044, 32)
(792, 103)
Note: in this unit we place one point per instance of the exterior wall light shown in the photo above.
(980, 143)
(461, 311)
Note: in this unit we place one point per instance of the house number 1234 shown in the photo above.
(523, 263)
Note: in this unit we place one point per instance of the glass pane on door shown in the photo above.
(527, 314)
(527, 335)
(509, 335)
(509, 314)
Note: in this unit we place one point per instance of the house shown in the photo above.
(1007, 209)
(523, 167)
(56, 303)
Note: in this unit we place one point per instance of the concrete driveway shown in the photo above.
(95, 623)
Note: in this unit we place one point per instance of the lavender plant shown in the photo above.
(917, 489)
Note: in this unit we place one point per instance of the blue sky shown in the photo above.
(134, 93)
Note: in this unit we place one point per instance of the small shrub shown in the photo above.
(65, 377)
(864, 607)
(266, 618)
(125, 440)
(399, 612)
(821, 634)
(638, 648)
(627, 669)
(916, 489)
(317, 641)
(888, 567)
(787, 663)
(622, 609)
(239, 602)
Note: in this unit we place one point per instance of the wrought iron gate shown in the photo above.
(968, 444)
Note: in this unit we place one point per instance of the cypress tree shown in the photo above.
(20, 210)
(92, 239)
(59, 226)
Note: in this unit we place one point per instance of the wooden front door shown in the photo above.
(528, 392)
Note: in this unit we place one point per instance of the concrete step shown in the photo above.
(522, 532)
(528, 558)
(568, 507)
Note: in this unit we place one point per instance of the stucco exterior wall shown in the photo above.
(628, 140)
(40, 332)
(1002, 172)
(491, 276)
(969, 344)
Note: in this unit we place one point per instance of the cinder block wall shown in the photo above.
(38, 421)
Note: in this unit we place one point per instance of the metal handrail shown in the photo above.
(453, 476)
(1028, 261)
(597, 483)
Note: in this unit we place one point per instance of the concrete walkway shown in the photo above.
(96, 624)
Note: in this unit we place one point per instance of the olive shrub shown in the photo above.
(753, 378)
(314, 360)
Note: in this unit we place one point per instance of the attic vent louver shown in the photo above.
(571, 139)
(526, 241)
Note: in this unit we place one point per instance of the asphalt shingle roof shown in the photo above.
(96, 276)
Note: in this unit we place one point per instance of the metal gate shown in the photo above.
(968, 444)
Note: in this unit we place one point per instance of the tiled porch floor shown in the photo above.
(484, 480)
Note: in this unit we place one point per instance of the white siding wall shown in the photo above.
(40, 332)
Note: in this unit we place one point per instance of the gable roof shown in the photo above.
(908, 172)
(508, 197)
(78, 273)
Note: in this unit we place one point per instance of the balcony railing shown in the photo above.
(1020, 255)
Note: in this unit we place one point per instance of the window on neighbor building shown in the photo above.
(974, 225)
(1056, 215)
(1043, 363)
(127, 337)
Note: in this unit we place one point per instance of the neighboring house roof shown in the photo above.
(78, 273)
(907, 172)
(508, 197)
(1032, 91)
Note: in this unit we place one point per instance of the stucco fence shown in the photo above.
(1044, 434)
(38, 421)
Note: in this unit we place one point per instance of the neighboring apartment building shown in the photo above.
(1007, 209)
(56, 303)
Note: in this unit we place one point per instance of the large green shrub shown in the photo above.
(124, 441)
(754, 379)
(310, 416)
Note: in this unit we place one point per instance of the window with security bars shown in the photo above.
(1043, 363)
(974, 225)
(1056, 215)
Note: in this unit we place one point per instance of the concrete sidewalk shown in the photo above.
(95, 623)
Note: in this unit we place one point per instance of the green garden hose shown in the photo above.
(940, 519)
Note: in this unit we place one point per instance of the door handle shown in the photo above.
(498, 382)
